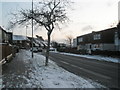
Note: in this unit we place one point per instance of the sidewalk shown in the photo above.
(25, 72)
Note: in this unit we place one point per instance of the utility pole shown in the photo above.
(26, 31)
(26, 37)
(32, 28)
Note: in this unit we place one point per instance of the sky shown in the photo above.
(85, 16)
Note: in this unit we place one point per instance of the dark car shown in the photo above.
(16, 48)
(39, 49)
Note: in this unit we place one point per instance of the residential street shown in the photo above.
(104, 72)
(73, 44)
(27, 72)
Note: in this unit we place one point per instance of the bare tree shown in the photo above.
(69, 40)
(113, 24)
(48, 13)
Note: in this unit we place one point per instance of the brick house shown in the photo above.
(104, 40)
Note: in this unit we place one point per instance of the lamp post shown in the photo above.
(32, 28)
(26, 31)
(26, 37)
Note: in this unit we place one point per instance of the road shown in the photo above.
(103, 72)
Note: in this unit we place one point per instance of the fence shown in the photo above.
(6, 52)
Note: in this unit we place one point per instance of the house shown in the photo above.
(21, 41)
(62, 45)
(104, 40)
(84, 42)
(6, 51)
(10, 39)
(3, 35)
(41, 41)
(75, 43)
(38, 42)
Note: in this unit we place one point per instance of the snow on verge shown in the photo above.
(51, 76)
(97, 57)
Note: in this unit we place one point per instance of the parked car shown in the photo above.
(34, 49)
(39, 49)
(16, 48)
(23, 48)
(52, 49)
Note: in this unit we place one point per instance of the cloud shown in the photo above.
(119, 11)
(86, 28)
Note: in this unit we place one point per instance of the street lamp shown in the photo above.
(26, 31)
(32, 28)
(26, 37)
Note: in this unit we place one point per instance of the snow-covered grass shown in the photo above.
(97, 57)
(51, 76)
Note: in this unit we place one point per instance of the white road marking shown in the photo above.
(65, 62)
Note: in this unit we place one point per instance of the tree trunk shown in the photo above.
(47, 52)
(70, 44)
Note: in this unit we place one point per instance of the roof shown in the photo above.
(39, 41)
(2, 29)
(40, 38)
(19, 37)
(106, 30)
(5, 30)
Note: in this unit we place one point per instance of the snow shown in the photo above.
(39, 42)
(0, 82)
(97, 57)
(51, 76)
(19, 37)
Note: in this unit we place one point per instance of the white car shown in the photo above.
(34, 49)
(52, 49)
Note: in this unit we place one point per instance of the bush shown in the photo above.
(83, 51)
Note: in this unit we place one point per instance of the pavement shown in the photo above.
(12, 71)
(102, 72)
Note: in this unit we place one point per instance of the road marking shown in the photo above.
(65, 62)
(100, 75)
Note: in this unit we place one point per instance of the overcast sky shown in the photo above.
(85, 16)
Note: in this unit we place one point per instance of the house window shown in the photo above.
(20, 41)
(97, 36)
(80, 39)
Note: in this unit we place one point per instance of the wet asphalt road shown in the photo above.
(103, 72)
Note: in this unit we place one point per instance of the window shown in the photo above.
(97, 36)
(80, 39)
